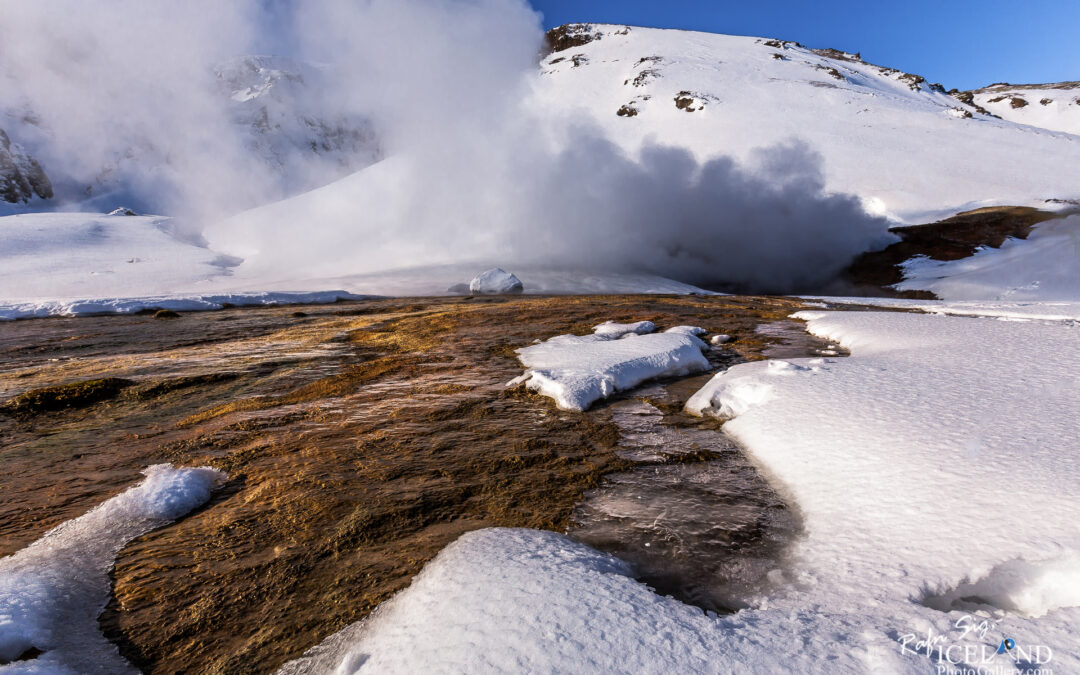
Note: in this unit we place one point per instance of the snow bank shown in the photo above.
(578, 370)
(1045, 266)
(178, 303)
(923, 464)
(52, 591)
(495, 281)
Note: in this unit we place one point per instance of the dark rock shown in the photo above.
(21, 177)
(569, 36)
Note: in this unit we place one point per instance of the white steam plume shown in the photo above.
(474, 174)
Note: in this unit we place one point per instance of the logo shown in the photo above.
(968, 649)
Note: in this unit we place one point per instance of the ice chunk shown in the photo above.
(496, 281)
(687, 330)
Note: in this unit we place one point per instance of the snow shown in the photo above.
(52, 591)
(176, 303)
(926, 475)
(495, 281)
(1043, 267)
(687, 330)
(892, 145)
(578, 370)
(610, 330)
(78, 255)
(1061, 110)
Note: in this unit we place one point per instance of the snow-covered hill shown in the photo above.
(1051, 106)
(904, 145)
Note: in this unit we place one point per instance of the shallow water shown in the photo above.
(705, 532)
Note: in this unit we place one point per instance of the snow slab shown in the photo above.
(1045, 266)
(578, 370)
(925, 472)
(52, 591)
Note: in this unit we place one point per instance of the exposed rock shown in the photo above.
(839, 55)
(495, 281)
(627, 110)
(571, 35)
(833, 72)
(122, 211)
(21, 177)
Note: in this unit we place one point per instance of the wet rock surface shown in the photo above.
(359, 439)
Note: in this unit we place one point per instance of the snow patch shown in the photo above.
(52, 591)
(578, 370)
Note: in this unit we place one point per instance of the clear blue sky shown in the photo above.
(960, 43)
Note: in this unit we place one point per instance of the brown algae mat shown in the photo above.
(359, 438)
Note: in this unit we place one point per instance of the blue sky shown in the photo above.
(960, 43)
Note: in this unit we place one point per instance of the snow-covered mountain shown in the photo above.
(279, 104)
(278, 110)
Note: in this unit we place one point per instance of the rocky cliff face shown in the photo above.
(21, 176)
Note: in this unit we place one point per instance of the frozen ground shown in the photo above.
(939, 500)
(52, 591)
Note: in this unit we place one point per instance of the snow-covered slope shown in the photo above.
(902, 144)
(1043, 267)
(79, 255)
(1051, 106)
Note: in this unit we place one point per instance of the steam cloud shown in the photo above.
(473, 174)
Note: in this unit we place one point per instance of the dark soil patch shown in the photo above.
(63, 396)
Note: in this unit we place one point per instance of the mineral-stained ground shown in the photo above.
(359, 439)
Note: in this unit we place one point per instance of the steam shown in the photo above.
(473, 172)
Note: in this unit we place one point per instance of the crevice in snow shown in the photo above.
(1028, 588)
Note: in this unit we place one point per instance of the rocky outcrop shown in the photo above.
(21, 177)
